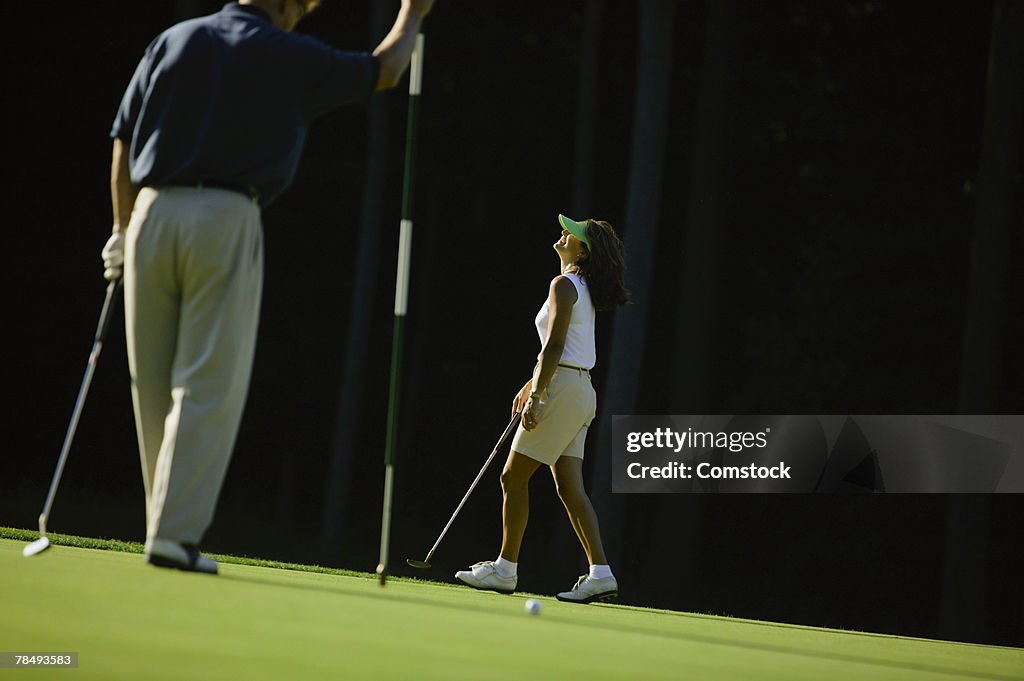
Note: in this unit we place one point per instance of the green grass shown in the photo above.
(256, 621)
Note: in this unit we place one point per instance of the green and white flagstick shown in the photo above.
(401, 303)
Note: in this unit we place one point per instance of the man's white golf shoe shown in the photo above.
(171, 554)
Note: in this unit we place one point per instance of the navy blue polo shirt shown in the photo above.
(229, 98)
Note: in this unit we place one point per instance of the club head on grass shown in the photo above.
(422, 564)
(38, 546)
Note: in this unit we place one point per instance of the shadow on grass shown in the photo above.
(341, 589)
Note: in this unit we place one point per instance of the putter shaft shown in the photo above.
(101, 331)
(504, 436)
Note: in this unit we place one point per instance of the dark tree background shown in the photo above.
(805, 179)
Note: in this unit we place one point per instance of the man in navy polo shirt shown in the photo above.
(211, 129)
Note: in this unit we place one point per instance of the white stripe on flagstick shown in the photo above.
(416, 67)
(385, 527)
(404, 258)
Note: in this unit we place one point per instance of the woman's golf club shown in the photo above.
(43, 543)
(425, 563)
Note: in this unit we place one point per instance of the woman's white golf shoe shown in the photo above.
(485, 576)
(588, 590)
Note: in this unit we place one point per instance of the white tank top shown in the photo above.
(580, 350)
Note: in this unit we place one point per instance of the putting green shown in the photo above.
(128, 620)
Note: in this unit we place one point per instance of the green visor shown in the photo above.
(577, 229)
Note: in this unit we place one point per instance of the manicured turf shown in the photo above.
(128, 620)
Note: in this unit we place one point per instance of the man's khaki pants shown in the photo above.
(193, 278)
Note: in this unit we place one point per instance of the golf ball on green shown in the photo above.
(532, 606)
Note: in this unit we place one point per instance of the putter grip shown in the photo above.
(113, 288)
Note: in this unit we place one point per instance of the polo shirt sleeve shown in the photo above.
(131, 102)
(335, 77)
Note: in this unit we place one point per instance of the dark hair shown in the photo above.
(604, 267)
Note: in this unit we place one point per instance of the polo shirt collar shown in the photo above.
(252, 10)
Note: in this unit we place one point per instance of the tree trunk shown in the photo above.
(564, 544)
(996, 230)
(697, 311)
(339, 479)
(586, 115)
(626, 359)
(964, 613)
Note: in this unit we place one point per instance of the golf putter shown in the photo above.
(43, 543)
(425, 563)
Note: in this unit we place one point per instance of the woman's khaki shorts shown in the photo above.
(564, 418)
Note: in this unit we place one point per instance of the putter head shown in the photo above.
(38, 546)
(422, 564)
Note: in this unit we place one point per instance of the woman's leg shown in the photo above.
(515, 507)
(568, 474)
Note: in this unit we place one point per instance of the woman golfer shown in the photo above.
(558, 404)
